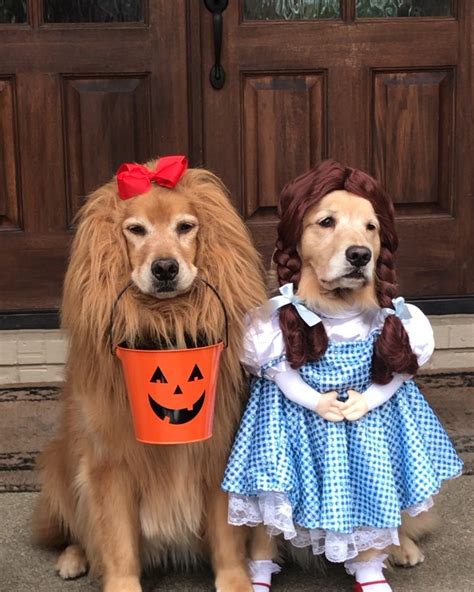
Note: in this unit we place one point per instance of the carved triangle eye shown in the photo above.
(158, 376)
(195, 374)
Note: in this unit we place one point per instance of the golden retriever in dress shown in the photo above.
(331, 283)
(117, 505)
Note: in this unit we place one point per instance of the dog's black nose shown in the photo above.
(358, 256)
(165, 269)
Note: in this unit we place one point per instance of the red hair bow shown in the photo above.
(135, 179)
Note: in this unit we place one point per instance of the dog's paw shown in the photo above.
(72, 563)
(233, 580)
(408, 554)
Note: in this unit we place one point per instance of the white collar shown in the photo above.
(350, 313)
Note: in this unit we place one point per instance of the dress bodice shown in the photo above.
(345, 365)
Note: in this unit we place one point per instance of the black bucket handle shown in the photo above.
(130, 284)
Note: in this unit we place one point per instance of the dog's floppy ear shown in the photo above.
(98, 268)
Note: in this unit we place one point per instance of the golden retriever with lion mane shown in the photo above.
(114, 504)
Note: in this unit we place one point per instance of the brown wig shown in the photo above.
(392, 351)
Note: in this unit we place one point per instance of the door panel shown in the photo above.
(413, 128)
(81, 91)
(388, 95)
(283, 130)
(106, 119)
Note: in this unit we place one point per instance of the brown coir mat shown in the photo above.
(28, 416)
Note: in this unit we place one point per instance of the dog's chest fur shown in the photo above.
(172, 509)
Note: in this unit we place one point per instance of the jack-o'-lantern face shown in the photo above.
(181, 395)
(172, 393)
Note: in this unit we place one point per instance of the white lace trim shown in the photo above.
(423, 506)
(274, 510)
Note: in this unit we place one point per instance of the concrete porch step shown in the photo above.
(448, 564)
(28, 416)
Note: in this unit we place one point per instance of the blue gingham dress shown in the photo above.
(339, 487)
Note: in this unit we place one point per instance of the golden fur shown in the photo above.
(124, 503)
(323, 282)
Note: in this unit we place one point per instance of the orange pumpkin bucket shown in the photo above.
(172, 392)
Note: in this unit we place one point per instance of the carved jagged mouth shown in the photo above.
(177, 416)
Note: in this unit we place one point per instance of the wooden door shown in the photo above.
(84, 86)
(384, 86)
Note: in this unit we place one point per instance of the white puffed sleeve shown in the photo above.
(263, 342)
(420, 334)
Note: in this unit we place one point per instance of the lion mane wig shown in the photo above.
(392, 352)
(96, 432)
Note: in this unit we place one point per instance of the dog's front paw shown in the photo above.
(233, 580)
(72, 563)
(122, 584)
(408, 554)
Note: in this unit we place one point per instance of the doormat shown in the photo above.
(29, 416)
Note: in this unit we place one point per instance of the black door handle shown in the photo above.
(217, 73)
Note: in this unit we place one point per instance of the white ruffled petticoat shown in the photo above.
(274, 511)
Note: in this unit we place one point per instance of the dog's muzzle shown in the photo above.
(165, 274)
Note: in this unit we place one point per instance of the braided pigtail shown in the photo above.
(392, 350)
(288, 264)
(302, 343)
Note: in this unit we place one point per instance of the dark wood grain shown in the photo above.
(397, 102)
(76, 100)
(284, 131)
(412, 150)
(41, 147)
(465, 148)
(10, 198)
(107, 122)
(168, 59)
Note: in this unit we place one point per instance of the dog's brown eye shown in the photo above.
(185, 227)
(371, 226)
(327, 222)
(137, 229)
